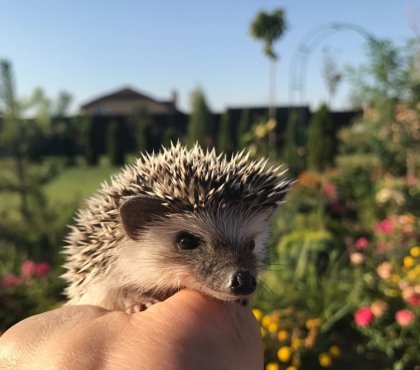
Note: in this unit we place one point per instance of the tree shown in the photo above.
(200, 125)
(269, 28)
(141, 122)
(224, 139)
(115, 145)
(21, 140)
(322, 141)
(90, 145)
(291, 150)
(331, 74)
(244, 128)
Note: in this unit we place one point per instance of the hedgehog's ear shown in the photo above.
(136, 212)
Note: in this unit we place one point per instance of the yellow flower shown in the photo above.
(296, 343)
(272, 366)
(283, 335)
(273, 327)
(335, 351)
(313, 323)
(284, 354)
(415, 251)
(408, 262)
(412, 275)
(266, 321)
(292, 368)
(395, 278)
(325, 359)
(263, 332)
(257, 313)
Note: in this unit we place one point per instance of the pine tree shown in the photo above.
(322, 141)
(141, 122)
(200, 125)
(224, 139)
(115, 145)
(244, 128)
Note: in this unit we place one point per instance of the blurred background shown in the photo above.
(331, 88)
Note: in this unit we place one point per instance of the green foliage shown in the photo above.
(322, 142)
(115, 143)
(224, 139)
(141, 121)
(291, 150)
(244, 128)
(90, 145)
(200, 127)
(268, 27)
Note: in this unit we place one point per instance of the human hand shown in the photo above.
(187, 331)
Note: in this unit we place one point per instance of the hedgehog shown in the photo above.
(179, 218)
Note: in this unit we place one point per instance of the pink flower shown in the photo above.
(361, 243)
(363, 317)
(404, 317)
(11, 280)
(414, 299)
(42, 269)
(384, 226)
(28, 268)
(330, 190)
(357, 258)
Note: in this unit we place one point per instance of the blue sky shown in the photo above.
(92, 47)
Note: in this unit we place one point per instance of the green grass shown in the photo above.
(78, 183)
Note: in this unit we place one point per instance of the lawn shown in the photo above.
(78, 183)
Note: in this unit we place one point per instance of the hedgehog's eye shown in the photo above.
(251, 244)
(186, 241)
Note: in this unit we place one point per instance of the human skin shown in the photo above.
(187, 331)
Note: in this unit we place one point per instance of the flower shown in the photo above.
(291, 368)
(272, 366)
(357, 258)
(384, 227)
(378, 307)
(11, 280)
(414, 299)
(415, 251)
(330, 190)
(282, 335)
(313, 323)
(325, 359)
(384, 270)
(363, 317)
(296, 343)
(42, 269)
(408, 262)
(284, 354)
(273, 327)
(361, 243)
(335, 351)
(404, 317)
(28, 268)
(257, 314)
(266, 321)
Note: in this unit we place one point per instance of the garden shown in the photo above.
(342, 287)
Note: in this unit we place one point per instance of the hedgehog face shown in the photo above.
(218, 252)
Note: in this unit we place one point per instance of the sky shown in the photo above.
(90, 48)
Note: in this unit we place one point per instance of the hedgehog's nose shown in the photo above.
(243, 283)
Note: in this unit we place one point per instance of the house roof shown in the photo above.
(126, 93)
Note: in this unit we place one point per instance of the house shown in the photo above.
(126, 101)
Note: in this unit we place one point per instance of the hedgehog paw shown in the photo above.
(142, 304)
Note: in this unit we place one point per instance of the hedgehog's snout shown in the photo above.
(242, 283)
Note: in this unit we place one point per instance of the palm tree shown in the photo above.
(269, 27)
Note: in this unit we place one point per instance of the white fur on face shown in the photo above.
(153, 264)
